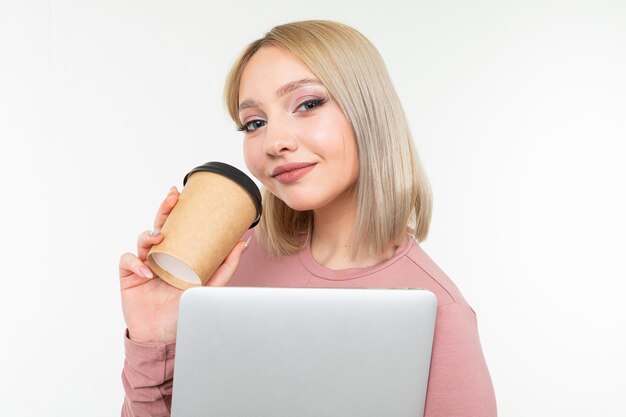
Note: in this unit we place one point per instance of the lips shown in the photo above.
(281, 169)
(292, 172)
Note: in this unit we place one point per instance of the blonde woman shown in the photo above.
(346, 202)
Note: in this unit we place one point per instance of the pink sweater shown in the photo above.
(459, 384)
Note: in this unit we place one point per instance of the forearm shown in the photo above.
(147, 378)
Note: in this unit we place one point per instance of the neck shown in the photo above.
(331, 237)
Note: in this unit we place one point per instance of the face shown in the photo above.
(297, 141)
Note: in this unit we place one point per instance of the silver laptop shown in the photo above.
(303, 352)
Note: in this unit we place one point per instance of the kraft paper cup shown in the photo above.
(216, 206)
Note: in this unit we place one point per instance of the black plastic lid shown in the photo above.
(236, 175)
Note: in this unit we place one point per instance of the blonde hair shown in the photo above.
(392, 191)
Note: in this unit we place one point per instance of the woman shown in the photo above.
(345, 203)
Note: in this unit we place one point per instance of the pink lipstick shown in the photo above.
(292, 172)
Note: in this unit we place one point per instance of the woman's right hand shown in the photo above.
(149, 304)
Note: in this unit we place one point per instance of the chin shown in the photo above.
(303, 197)
(300, 203)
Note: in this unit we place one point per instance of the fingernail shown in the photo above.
(245, 247)
(172, 189)
(146, 272)
(154, 232)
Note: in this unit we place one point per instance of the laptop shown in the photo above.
(306, 352)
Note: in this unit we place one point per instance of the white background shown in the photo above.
(518, 111)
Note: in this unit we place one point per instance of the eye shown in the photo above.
(252, 125)
(311, 104)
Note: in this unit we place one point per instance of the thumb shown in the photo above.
(222, 275)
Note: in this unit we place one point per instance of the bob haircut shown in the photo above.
(392, 191)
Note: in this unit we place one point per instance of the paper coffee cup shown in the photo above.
(216, 206)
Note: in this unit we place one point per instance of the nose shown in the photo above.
(279, 139)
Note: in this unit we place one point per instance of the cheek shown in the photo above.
(344, 143)
(352, 161)
(324, 137)
(351, 152)
(252, 160)
(254, 157)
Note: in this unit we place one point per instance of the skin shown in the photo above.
(149, 304)
(301, 125)
(297, 127)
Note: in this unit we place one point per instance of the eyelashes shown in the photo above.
(251, 125)
(311, 104)
(306, 106)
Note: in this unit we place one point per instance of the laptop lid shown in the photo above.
(284, 352)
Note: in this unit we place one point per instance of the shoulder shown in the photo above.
(428, 273)
(254, 255)
(257, 268)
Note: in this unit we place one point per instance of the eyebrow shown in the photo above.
(287, 88)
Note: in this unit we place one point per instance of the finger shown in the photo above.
(133, 271)
(166, 207)
(145, 241)
(226, 270)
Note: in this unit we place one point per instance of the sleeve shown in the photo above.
(459, 383)
(147, 378)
